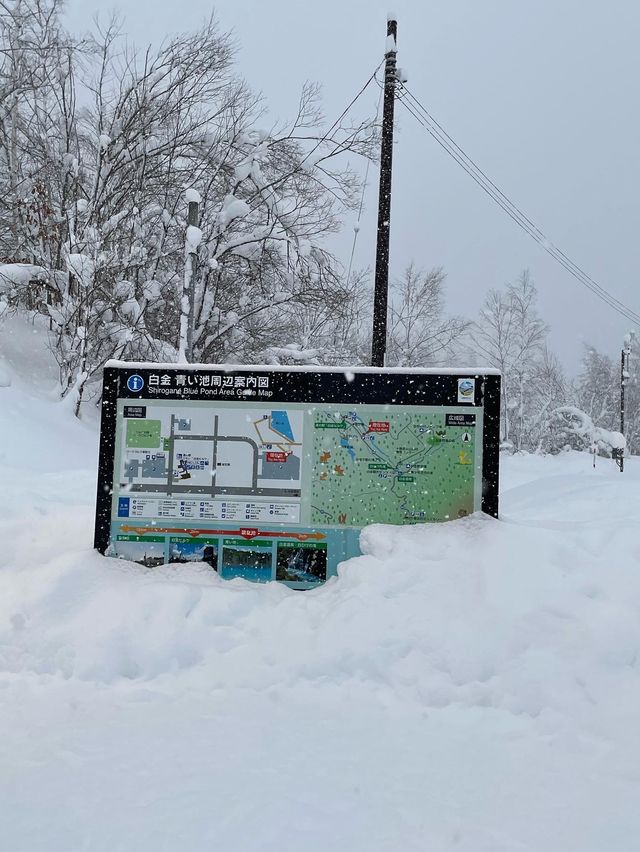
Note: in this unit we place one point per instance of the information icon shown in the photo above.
(135, 383)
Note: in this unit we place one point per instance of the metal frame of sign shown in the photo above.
(149, 383)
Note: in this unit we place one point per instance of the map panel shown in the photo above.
(390, 466)
(359, 465)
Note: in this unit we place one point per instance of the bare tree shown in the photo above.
(420, 334)
(547, 389)
(510, 335)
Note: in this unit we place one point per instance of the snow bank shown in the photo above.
(539, 636)
(25, 352)
(468, 686)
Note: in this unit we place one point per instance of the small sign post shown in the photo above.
(270, 473)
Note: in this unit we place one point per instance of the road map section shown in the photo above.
(391, 465)
(216, 464)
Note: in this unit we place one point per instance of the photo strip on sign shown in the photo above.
(271, 473)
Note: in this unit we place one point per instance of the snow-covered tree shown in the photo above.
(98, 143)
(597, 389)
(35, 100)
(569, 428)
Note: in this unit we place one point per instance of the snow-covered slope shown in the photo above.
(472, 687)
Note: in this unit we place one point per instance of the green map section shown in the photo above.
(143, 434)
(376, 466)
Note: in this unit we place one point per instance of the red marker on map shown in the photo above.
(277, 457)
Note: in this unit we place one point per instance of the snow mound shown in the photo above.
(544, 634)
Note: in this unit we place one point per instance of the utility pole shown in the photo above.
(193, 220)
(624, 377)
(381, 293)
(193, 236)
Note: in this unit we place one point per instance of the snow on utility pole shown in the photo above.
(381, 293)
(193, 236)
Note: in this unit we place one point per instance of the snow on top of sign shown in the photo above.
(306, 368)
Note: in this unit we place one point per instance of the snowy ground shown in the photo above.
(472, 687)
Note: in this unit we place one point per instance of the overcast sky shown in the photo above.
(544, 96)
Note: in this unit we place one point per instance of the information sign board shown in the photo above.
(270, 473)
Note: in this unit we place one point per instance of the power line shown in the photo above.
(424, 118)
(547, 243)
(515, 213)
(342, 114)
(356, 228)
(522, 220)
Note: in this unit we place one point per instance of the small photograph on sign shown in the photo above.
(145, 552)
(466, 390)
(301, 562)
(248, 560)
(182, 549)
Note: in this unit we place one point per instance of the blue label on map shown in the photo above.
(123, 507)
